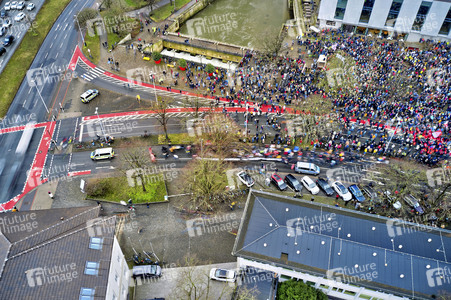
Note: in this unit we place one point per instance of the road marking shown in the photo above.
(56, 56)
(47, 54)
(61, 45)
(81, 133)
(65, 36)
(51, 45)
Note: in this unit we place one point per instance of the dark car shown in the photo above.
(371, 193)
(8, 40)
(293, 183)
(324, 186)
(414, 203)
(2, 51)
(356, 193)
(3, 13)
(277, 180)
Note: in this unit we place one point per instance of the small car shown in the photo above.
(3, 13)
(20, 5)
(414, 203)
(3, 31)
(278, 182)
(245, 179)
(146, 271)
(371, 193)
(89, 95)
(7, 6)
(8, 40)
(20, 16)
(356, 193)
(310, 185)
(293, 183)
(222, 275)
(14, 5)
(6, 23)
(30, 6)
(341, 190)
(2, 51)
(324, 186)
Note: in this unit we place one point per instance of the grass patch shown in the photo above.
(176, 138)
(135, 4)
(316, 105)
(117, 189)
(93, 44)
(165, 11)
(22, 58)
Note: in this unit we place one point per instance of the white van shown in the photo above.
(89, 95)
(103, 153)
(306, 168)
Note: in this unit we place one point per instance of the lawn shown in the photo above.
(93, 44)
(165, 11)
(118, 189)
(176, 139)
(22, 58)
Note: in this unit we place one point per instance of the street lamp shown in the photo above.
(39, 92)
(101, 123)
(81, 33)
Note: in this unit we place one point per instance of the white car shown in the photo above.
(7, 6)
(19, 17)
(310, 185)
(6, 23)
(342, 191)
(20, 5)
(222, 275)
(245, 179)
(14, 5)
(30, 6)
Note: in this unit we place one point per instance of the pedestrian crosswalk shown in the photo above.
(136, 117)
(90, 73)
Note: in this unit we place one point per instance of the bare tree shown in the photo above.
(86, 14)
(161, 107)
(271, 43)
(151, 3)
(134, 163)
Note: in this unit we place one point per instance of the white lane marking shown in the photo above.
(81, 133)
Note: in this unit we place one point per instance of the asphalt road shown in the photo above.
(50, 62)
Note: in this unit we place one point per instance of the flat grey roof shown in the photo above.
(401, 258)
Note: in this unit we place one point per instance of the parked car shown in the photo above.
(293, 183)
(356, 193)
(341, 190)
(2, 51)
(306, 168)
(3, 13)
(414, 203)
(3, 31)
(245, 179)
(277, 180)
(89, 95)
(324, 186)
(147, 271)
(30, 6)
(20, 16)
(6, 23)
(371, 193)
(20, 5)
(8, 40)
(222, 275)
(396, 204)
(310, 185)
(7, 6)
(14, 5)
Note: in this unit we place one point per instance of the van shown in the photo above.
(103, 153)
(89, 95)
(306, 168)
(147, 271)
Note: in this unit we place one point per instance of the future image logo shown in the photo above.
(438, 176)
(216, 224)
(212, 24)
(438, 276)
(48, 275)
(353, 274)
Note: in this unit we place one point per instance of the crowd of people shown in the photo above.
(394, 99)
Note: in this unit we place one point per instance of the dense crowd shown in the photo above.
(395, 100)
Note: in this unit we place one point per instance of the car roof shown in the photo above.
(291, 177)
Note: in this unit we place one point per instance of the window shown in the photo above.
(446, 24)
(87, 294)
(393, 13)
(92, 268)
(421, 15)
(116, 277)
(366, 11)
(96, 243)
(340, 10)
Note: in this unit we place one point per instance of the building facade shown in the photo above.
(410, 20)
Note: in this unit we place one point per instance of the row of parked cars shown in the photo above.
(360, 194)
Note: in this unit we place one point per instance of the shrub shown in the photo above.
(182, 63)
(156, 55)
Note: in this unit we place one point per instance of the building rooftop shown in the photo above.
(364, 249)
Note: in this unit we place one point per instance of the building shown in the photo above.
(410, 20)
(61, 254)
(348, 254)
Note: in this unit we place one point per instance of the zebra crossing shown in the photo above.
(119, 119)
(90, 73)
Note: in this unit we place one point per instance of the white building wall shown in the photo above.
(407, 15)
(379, 15)
(436, 16)
(353, 11)
(118, 278)
(327, 9)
